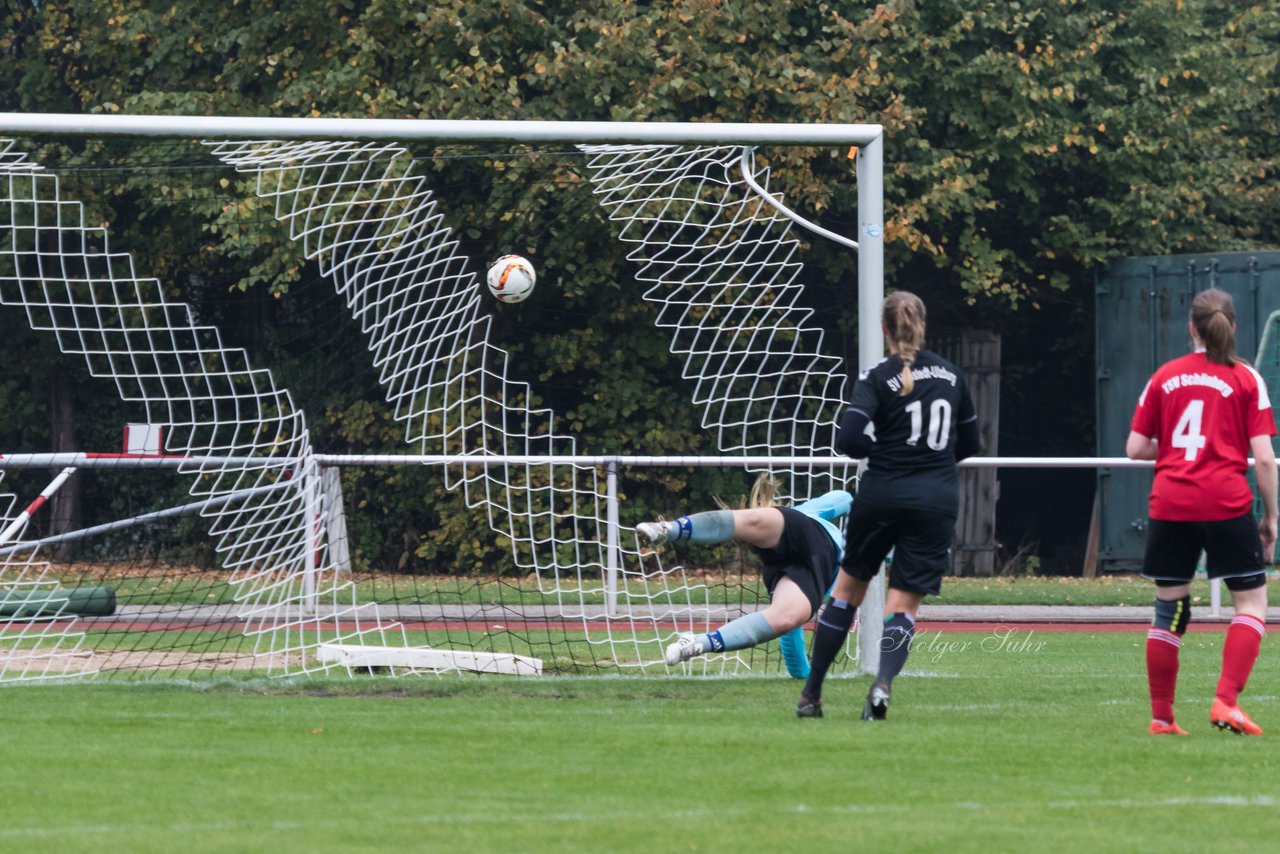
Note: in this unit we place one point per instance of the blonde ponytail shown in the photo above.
(903, 317)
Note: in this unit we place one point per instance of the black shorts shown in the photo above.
(1232, 550)
(920, 539)
(805, 554)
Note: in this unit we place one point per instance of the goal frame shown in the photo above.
(867, 138)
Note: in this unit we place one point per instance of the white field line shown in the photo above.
(508, 817)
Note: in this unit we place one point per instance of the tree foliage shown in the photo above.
(1026, 144)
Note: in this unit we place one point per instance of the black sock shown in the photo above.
(895, 646)
(833, 628)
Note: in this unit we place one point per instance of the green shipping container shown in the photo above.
(1142, 306)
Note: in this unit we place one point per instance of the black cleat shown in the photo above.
(807, 708)
(877, 706)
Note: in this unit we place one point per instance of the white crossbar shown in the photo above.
(472, 130)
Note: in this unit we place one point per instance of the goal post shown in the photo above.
(354, 201)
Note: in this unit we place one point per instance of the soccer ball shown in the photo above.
(511, 278)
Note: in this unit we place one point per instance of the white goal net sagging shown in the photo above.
(722, 268)
(229, 429)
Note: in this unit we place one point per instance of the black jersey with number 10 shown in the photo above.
(912, 461)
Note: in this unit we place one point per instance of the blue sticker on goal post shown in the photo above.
(871, 229)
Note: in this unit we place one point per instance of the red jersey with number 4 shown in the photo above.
(1202, 415)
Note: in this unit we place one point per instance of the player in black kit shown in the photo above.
(908, 496)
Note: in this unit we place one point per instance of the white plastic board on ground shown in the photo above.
(418, 658)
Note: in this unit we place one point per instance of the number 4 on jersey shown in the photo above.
(1186, 433)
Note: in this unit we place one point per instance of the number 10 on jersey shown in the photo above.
(939, 423)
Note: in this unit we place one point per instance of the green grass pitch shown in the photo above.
(1034, 742)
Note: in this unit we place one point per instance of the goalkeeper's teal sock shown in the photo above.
(713, 526)
(740, 634)
(793, 654)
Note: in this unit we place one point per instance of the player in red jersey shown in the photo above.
(1200, 417)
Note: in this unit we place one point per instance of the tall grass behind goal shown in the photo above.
(718, 258)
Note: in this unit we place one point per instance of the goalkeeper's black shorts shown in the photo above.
(805, 554)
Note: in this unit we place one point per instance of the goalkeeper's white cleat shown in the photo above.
(653, 533)
(685, 648)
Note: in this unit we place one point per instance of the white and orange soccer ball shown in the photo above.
(511, 278)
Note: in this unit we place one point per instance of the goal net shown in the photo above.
(381, 483)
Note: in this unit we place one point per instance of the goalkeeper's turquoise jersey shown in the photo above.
(826, 508)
